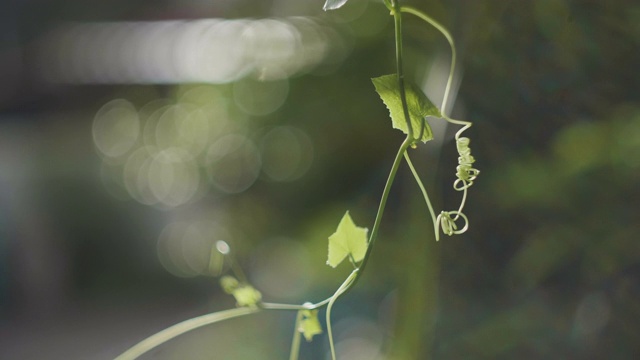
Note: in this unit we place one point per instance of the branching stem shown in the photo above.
(424, 195)
(447, 35)
(396, 10)
(383, 203)
(341, 290)
(295, 343)
(397, 19)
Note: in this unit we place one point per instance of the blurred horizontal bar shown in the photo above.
(209, 50)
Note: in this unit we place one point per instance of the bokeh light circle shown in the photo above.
(260, 97)
(185, 247)
(287, 153)
(173, 177)
(233, 163)
(281, 268)
(116, 128)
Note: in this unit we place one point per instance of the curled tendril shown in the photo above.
(449, 225)
(464, 171)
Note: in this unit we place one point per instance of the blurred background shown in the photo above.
(136, 134)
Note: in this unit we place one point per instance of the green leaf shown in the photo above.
(333, 4)
(417, 102)
(347, 240)
(309, 325)
(229, 284)
(245, 294)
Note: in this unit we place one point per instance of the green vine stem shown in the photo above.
(444, 219)
(341, 290)
(181, 328)
(424, 194)
(466, 174)
(169, 333)
(356, 273)
(443, 30)
(383, 203)
(295, 342)
(397, 20)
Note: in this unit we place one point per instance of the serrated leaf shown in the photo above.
(418, 104)
(309, 325)
(348, 239)
(333, 4)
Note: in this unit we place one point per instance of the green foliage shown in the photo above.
(348, 240)
(309, 324)
(229, 284)
(418, 104)
(245, 294)
(408, 107)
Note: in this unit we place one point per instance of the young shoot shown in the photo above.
(408, 109)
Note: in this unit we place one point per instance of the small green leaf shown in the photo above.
(333, 4)
(417, 102)
(309, 325)
(347, 240)
(229, 284)
(245, 294)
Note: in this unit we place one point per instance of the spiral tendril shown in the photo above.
(464, 171)
(449, 225)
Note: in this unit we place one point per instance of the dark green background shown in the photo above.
(548, 270)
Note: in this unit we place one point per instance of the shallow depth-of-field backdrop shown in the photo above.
(135, 134)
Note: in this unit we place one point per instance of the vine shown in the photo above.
(408, 107)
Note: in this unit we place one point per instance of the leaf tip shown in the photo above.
(333, 4)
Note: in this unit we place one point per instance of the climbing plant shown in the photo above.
(409, 109)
